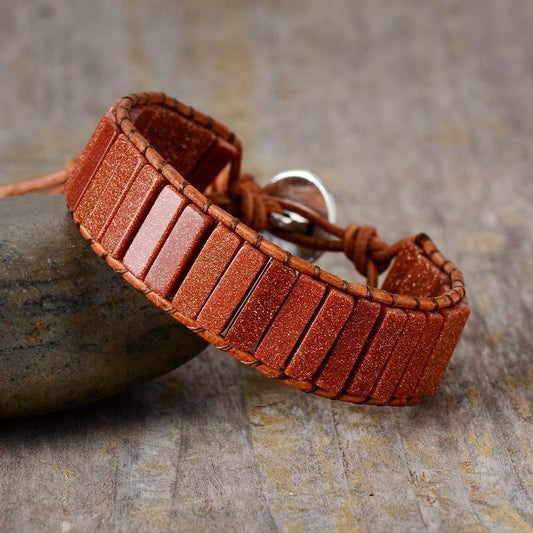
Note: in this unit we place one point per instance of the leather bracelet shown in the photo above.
(159, 195)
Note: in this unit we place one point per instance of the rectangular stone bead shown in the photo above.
(132, 211)
(380, 346)
(154, 231)
(178, 139)
(290, 322)
(425, 347)
(412, 273)
(261, 306)
(454, 323)
(345, 353)
(220, 154)
(103, 137)
(142, 117)
(109, 166)
(206, 271)
(231, 289)
(321, 335)
(394, 369)
(181, 247)
(116, 188)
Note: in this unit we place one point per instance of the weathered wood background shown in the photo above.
(419, 116)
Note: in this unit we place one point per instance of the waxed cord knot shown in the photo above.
(369, 254)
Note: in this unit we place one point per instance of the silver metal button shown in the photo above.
(303, 187)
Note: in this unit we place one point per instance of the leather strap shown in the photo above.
(159, 194)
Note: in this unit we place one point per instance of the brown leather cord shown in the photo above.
(53, 183)
(44, 184)
(59, 189)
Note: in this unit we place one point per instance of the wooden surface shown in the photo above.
(419, 116)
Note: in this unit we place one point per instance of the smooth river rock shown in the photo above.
(72, 330)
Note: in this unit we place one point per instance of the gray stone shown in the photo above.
(73, 331)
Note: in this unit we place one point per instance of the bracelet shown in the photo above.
(159, 195)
